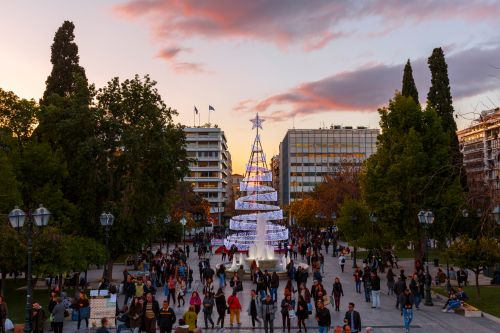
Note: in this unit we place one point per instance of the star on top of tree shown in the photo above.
(257, 122)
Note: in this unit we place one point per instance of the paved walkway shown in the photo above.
(386, 319)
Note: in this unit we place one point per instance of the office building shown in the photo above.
(480, 146)
(210, 170)
(307, 155)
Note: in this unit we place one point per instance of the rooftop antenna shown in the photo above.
(293, 122)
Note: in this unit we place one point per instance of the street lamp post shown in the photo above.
(334, 229)
(167, 221)
(151, 222)
(373, 220)
(106, 220)
(17, 217)
(354, 218)
(183, 222)
(426, 218)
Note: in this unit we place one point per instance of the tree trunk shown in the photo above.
(478, 291)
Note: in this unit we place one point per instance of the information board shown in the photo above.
(102, 307)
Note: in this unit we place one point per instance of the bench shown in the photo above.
(468, 311)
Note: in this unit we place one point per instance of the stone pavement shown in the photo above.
(385, 319)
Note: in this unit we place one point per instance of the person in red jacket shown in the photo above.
(234, 308)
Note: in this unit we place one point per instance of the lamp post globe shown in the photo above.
(40, 217)
(107, 220)
(16, 218)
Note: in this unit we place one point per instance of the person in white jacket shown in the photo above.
(342, 262)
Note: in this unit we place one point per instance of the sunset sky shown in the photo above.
(305, 63)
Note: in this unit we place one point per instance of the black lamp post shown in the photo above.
(151, 222)
(426, 218)
(106, 220)
(373, 220)
(334, 229)
(167, 221)
(17, 218)
(354, 218)
(183, 222)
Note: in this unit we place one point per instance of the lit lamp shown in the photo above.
(106, 220)
(17, 218)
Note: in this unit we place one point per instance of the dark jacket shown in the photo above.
(58, 313)
(166, 318)
(323, 317)
(376, 283)
(357, 320)
(129, 289)
(156, 309)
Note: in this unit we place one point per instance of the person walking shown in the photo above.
(407, 301)
(172, 284)
(399, 289)
(135, 314)
(302, 313)
(150, 313)
(375, 284)
(234, 308)
(166, 318)
(267, 313)
(353, 319)
(287, 305)
(337, 292)
(58, 316)
(195, 301)
(208, 308)
(190, 318)
(253, 307)
(391, 282)
(82, 306)
(358, 274)
(221, 305)
(4, 313)
(323, 317)
(37, 318)
(128, 289)
(415, 291)
(181, 291)
(342, 262)
(274, 285)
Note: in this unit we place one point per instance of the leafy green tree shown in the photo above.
(409, 88)
(12, 252)
(410, 171)
(65, 63)
(475, 254)
(140, 156)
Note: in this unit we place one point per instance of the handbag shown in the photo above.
(309, 308)
(292, 314)
(74, 315)
(85, 312)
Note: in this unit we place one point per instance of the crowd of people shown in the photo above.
(190, 301)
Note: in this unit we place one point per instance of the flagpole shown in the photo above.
(209, 116)
(194, 118)
(199, 121)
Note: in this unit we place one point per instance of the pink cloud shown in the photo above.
(169, 53)
(188, 67)
(370, 87)
(312, 24)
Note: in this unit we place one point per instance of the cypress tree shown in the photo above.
(65, 61)
(439, 98)
(409, 87)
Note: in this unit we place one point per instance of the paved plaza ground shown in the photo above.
(386, 319)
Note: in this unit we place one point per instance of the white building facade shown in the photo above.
(210, 170)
